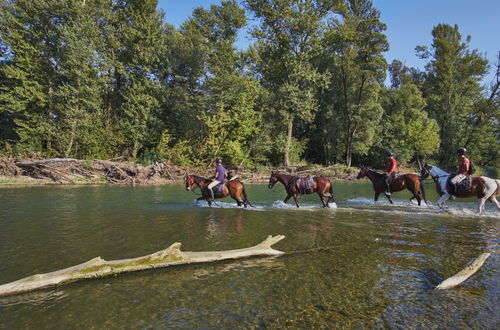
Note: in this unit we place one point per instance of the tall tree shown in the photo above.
(452, 87)
(288, 39)
(407, 130)
(355, 43)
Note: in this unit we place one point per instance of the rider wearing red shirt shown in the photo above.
(392, 171)
(463, 168)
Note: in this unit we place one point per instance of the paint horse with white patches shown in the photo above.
(483, 188)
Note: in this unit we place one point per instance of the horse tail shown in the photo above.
(245, 195)
(332, 196)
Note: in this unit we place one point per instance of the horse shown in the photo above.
(235, 188)
(483, 188)
(410, 182)
(321, 185)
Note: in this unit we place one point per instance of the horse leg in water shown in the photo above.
(287, 198)
(322, 199)
(493, 199)
(236, 195)
(376, 196)
(480, 207)
(389, 198)
(443, 199)
(295, 197)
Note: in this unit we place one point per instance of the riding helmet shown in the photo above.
(461, 150)
(218, 161)
(389, 154)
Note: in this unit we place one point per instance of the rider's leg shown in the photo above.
(454, 182)
(210, 188)
(387, 181)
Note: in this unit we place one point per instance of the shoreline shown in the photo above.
(68, 171)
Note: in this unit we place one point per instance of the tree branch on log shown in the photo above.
(464, 274)
(98, 267)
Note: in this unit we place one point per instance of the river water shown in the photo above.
(362, 265)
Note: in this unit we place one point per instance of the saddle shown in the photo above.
(303, 185)
(219, 189)
(462, 186)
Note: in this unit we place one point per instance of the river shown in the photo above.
(362, 265)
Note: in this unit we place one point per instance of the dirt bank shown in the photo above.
(36, 170)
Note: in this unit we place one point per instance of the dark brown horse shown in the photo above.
(234, 188)
(410, 182)
(321, 185)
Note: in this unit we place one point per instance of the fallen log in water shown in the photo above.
(464, 273)
(98, 267)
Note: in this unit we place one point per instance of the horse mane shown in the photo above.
(443, 172)
(377, 173)
(199, 177)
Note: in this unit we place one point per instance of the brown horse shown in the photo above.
(321, 185)
(234, 188)
(410, 182)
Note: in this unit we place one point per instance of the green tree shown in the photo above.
(218, 114)
(288, 39)
(355, 42)
(407, 129)
(452, 87)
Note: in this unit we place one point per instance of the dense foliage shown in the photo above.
(111, 78)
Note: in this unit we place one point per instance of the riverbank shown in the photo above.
(36, 171)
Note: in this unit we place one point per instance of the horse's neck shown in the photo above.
(373, 176)
(283, 178)
(200, 182)
(439, 172)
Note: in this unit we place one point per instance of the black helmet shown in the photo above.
(389, 154)
(461, 150)
(218, 161)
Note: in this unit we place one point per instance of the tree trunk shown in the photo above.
(288, 142)
(71, 140)
(98, 267)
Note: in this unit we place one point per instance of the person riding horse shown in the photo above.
(463, 170)
(392, 172)
(220, 174)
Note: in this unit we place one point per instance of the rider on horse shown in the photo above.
(463, 169)
(392, 171)
(220, 174)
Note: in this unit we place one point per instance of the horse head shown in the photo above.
(272, 180)
(425, 171)
(363, 171)
(189, 180)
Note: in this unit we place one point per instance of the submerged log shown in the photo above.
(464, 273)
(98, 267)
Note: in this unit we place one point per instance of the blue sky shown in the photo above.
(409, 24)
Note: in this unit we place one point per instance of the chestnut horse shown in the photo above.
(321, 185)
(483, 188)
(410, 182)
(234, 188)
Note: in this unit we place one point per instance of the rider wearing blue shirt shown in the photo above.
(220, 174)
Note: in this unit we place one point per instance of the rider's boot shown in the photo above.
(387, 190)
(212, 198)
